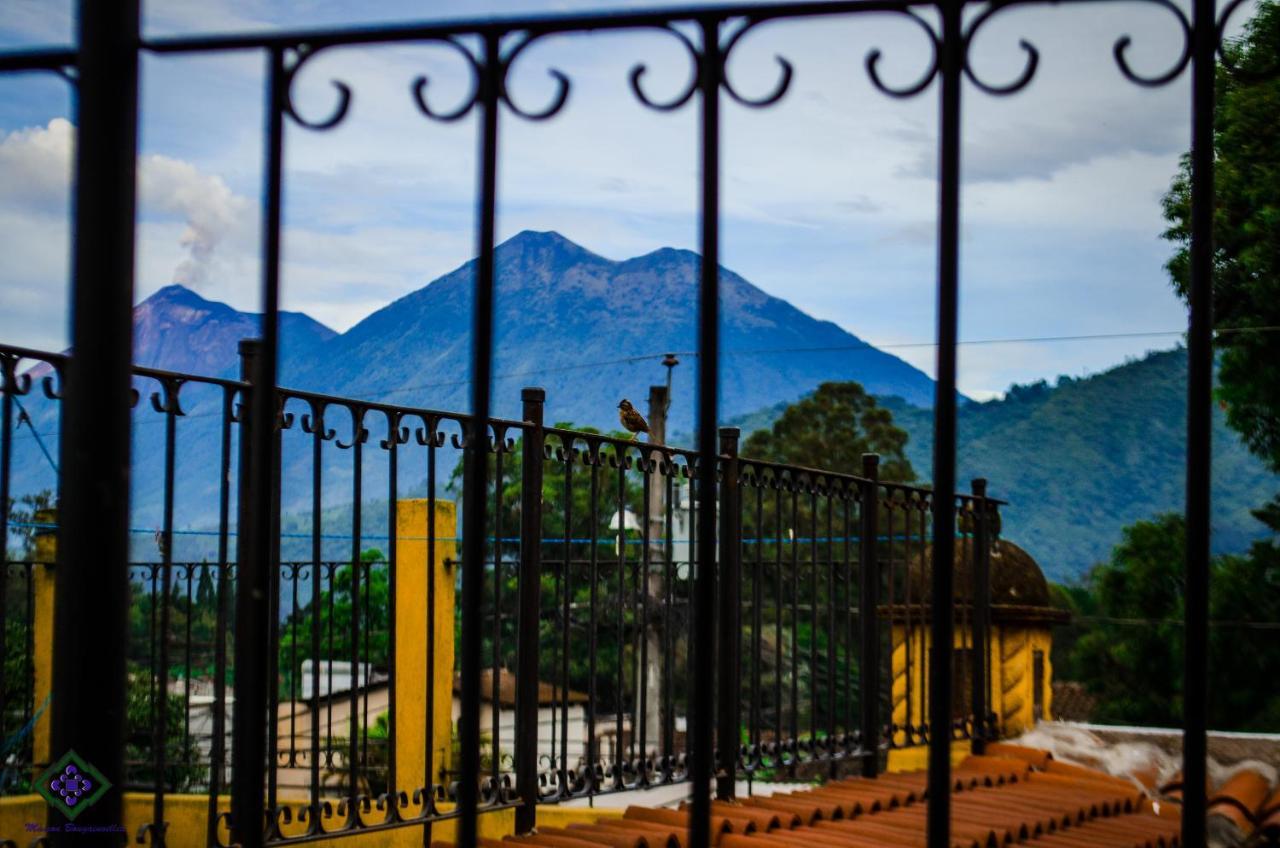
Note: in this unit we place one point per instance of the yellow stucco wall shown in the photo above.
(412, 574)
(1011, 656)
(42, 635)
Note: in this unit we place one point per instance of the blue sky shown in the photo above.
(829, 197)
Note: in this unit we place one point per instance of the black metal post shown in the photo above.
(92, 580)
(248, 736)
(728, 688)
(530, 588)
(942, 626)
(702, 740)
(1195, 670)
(980, 621)
(476, 458)
(868, 598)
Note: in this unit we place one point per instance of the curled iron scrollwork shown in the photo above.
(294, 60)
(418, 88)
(1024, 77)
(558, 100)
(780, 87)
(901, 92)
(685, 94)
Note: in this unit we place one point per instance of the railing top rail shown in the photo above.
(531, 24)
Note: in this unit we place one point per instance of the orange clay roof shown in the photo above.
(1012, 795)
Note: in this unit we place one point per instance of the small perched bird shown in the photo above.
(632, 420)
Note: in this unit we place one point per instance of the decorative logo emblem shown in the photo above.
(72, 785)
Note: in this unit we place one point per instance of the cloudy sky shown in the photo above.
(829, 197)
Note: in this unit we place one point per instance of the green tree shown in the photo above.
(334, 610)
(1130, 655)
(184, 768)
(831, 429)
(1246, 259)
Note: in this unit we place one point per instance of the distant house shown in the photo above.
(552, 733)
(372, 697)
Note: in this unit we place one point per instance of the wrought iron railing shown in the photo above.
(94, 503)
(587, 607)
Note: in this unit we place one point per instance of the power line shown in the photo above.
(628, 360)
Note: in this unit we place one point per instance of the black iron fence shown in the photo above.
(587, 608)
(90, 678)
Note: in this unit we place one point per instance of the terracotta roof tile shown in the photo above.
(1034, 756)
(1245, 791)
(1013, 795)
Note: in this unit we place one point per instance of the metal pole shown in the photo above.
(868, 599)
(530, 588)
(92, 579)
(951, 64)
(1199, 397)
(476, 458)
(727, 677)
(702, 741)
(980, 621)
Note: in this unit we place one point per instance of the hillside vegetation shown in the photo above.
(1081, 459)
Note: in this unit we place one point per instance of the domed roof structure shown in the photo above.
(1018, 586)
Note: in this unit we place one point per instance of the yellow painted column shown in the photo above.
(42, 635)
(421, 565)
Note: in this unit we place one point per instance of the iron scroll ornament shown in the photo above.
(1119, 50)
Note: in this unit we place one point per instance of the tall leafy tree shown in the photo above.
(831, 429)
(1130, 654)
(1246, 260)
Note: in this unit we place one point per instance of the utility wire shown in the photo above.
(582, 366)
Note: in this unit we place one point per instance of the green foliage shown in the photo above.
(1128, 651)
(1246, 238)
(831, 429)
(335, 609)
(199, 612)
(22, 512)
(1082, 460)
(184, 768)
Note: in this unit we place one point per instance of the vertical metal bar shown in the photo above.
(160, 730)
(727, 691)
(980, 623)
(495, 647)
(619, 620)
(273, 621)
(393, 494)
(217, 753)
(592, 457)
(702, 749)
(475, 469)
(317, 568)
(868, 598)
(248, 736)
(832, 637)
(566, 620)
(1199, 397)
(92, 579)
(951, 64)
(355, 725)
(530, 588)
(254, 576)
(8, 366)
(429, 719)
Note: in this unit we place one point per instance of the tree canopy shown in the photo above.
(1129, 655)
(831, 429)
(1246, 238)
